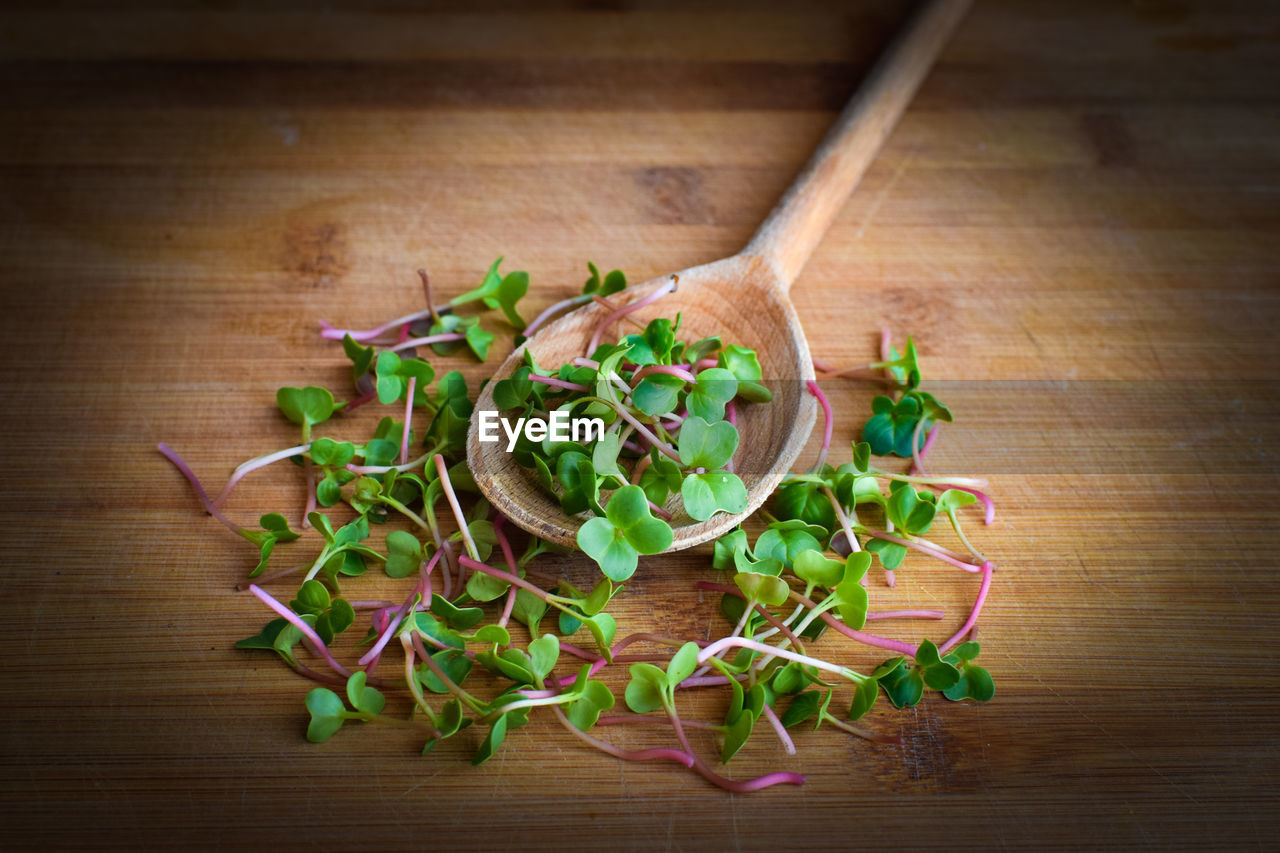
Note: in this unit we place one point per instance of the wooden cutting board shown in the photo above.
(1076, 220)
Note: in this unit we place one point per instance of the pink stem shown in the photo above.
(925, 549)
(659, 511)
(906, 614)
(972, 621)
(558, 383)
(570, 648)
(370, 658)
(308, 475)
(983, 499)
(328, 331)
(454, 505)
(307, 630)
(886, 343)
(626, 755)
(890, 579)
(638, 471)
(510, 559)
(867, 639)
(823, 366)
(186, 471)
(668, 369)
(828, 423)
(514, 580)
(627, 309)
(552, 311)
(644, 718)
(744, 787)
(917, 465)
(429, 339)
(663, 448)
(253, 465)
(408, 415)
(779, 729)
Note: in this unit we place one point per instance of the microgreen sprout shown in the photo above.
(478, 655)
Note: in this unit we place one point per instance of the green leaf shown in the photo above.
(264, 639)
(707, 445)
(492, 741)
(596, 698)
(580, 488)
(741, 362)
(851, 598)
(816, 568)
(512, 289)
(456, 617)
(544, 652)
(682, 665)
(456, 665)
(736, 735)
(804, 501)
(953, 499)
(599, 597)
(927, 653)
(660, 479)
(658, 394)
(604, 459)
(607, 545)
(904, 685)
(728, 547)
(306, 406)
(891, 554)
(603, 629)
(647, 689)
(715, 491)
(404, 554)
(312, 598)
(864, 697)
(715, 387)
(362, 697)
(327, 713)
(479, 341)
(785, 540)
(765, 589)
(803, 707)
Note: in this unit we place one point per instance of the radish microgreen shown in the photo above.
(671, 409)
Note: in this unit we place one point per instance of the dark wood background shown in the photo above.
(1077, 219)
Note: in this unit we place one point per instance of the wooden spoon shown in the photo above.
(743, 299)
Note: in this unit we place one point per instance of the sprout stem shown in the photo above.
(186, 471)
(627, 309)
(987, 569)
(307, 630)
(626, 755)
(456, 507)
(429, 339)
(254, 464)
(828, 423)
(562, 305)
(408, 413)
(787, 743)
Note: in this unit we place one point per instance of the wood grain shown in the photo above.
(1076, 218)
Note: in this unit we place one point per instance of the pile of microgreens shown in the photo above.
(670, 410)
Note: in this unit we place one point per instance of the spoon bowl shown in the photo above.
(739, 298)
(743, 299)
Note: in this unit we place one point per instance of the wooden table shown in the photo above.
(1077, 220)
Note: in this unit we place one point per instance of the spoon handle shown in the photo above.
(796, 224)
